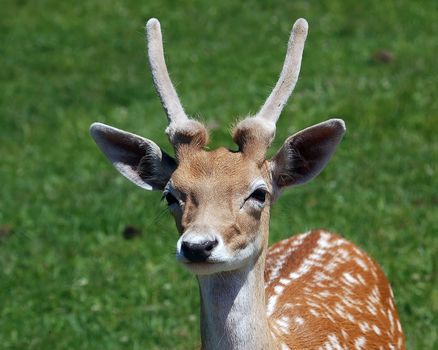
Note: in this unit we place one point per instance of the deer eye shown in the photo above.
(170, 198)
(259, 195)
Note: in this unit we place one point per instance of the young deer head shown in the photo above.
(220, 199)
(311, 291)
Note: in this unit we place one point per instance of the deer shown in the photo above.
(315, 290)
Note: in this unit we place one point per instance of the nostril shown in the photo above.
(211, 245)
(185, 246)
(198, 252)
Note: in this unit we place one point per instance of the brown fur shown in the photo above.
(253, 139)
(193, 136)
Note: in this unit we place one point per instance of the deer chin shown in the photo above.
(210, 268)
(206, 268)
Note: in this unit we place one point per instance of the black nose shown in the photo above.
(198, 252)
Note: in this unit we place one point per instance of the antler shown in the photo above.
(255, 134)
(289, 75)
(181, 129)
(160, 75)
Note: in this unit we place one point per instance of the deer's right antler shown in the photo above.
(181, 129)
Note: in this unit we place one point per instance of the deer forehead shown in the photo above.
(221, 172)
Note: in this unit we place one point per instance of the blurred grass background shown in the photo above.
(69, 280)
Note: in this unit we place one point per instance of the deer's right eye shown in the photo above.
(170, 198)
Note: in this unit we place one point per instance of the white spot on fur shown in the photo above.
(391, 304)
(399, 342)
(339, 309)
(376, 329)
(361, 279)
(325, 293)
(344, 334)
(310, 302)
(299, 320)
(361, 263)
(279, 263)
(332, 343)
(375, 295)
(278, 289)
(391, 321)
(349, 302)
(283, 325)
(392, 294)
(371, 308)
(364, 327)
(399, 326)
(285, 319)
(300, 238)
(344, 254)
(330, 318)
(349, 278)
(272, 302)
(314, 312)
(358, 251)
(288, 306)
(309, 262)
(285, 281)
(359, 343)
(321, 276)
(332, 265)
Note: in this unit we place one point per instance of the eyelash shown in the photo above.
(259, 195)
(170, 199)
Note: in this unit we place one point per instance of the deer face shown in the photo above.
(220, 199)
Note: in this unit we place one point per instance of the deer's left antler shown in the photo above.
(255, 134)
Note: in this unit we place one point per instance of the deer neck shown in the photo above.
(233, 311)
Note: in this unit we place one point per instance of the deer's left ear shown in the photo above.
(305, 154)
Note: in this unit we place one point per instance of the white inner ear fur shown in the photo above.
(126, 151)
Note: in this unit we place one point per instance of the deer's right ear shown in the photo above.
(138, 159)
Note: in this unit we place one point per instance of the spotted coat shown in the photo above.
(323, 292)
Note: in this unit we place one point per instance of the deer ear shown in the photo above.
(305, 154)
(138, 159)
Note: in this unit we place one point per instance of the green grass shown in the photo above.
(68, 280)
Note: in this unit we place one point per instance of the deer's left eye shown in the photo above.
(259, 195)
